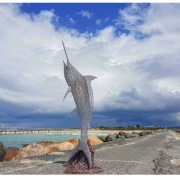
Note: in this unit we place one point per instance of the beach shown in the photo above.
(2, 132)
(151, 154)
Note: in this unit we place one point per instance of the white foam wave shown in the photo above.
(75, 134)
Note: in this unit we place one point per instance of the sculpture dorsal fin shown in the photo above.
(89, 77)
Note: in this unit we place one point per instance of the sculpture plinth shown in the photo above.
(78, 164)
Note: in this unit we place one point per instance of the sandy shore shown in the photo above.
(67, 131)
(105, 131)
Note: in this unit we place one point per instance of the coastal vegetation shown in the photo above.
(130, 127)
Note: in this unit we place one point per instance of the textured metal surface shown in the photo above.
(80, 87)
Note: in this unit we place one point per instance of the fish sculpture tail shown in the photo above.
(78, 162)
(82, 146)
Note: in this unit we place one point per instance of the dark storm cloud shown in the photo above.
(19, 116)
(128, 114)
(129, 117)
(135, 107)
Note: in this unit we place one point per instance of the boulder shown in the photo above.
(115, 134)
(148, 132)
(134, 135)
(94, 140)
(122, 133)
(2, 152)
(73, 141)
(110, 137)
(127, 135)
(102, 138)
(143, 133)
(25, 145)
(119, 137)
(57, 147)
(30, 150)
(11, 152)
(45, 143)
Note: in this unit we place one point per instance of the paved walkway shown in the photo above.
(130, 156)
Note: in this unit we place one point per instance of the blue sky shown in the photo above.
(84, 17)
(133, 49)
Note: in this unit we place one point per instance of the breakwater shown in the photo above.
(31, 131)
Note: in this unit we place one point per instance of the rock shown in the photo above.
(110, 137)
(178, 131)
(148, 132)
(11, 152)
(25, 145)
(30, 150)
(73, 141)
(134, 135)
(115, 134)
(56, 147)
(94, 140)
(127, 135)
(143, 133)
(122, 133)
(102, 138)
(2, 152)
(45, 143)
(119, 137)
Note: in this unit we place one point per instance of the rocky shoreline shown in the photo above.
(47, 147)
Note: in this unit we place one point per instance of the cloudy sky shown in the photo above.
(133, 49)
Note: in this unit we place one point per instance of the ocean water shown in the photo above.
(18, 140)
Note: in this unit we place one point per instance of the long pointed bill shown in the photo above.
(65, 53)
(64, 64)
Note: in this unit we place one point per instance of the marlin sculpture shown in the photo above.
(80, 87)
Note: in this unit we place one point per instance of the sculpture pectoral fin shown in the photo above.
(67, 92)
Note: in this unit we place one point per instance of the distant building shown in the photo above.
(149, 126)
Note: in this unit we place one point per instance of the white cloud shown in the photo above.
(131, 16)
(85, 14)
(106, 19)
(139, 74)
(98, 21)
(72, 20)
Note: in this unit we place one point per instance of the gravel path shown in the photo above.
(150, 154)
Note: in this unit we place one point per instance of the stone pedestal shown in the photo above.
(78, 164)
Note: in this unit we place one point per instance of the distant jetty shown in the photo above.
(3, 132)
